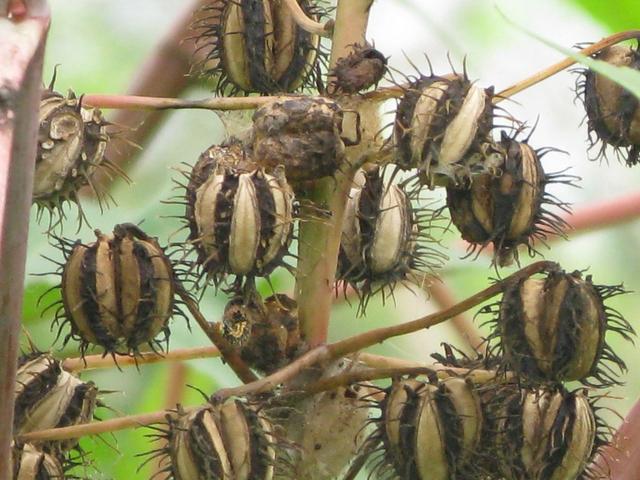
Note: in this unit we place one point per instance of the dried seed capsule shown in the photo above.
(256, 46)
(241, 222)
(301, 133)
(508, 209)
(31, 463)
(612, 111)
(440, 127)
(117, 292)
(48, 397)
(362, 68)
(71, 145)
(543, 433)
(231, 440)
(383, 238)
(554, 328)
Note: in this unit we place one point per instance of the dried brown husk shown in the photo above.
(255, 46)
(509, 207)
(612, 111)
(441, 127)
(48, 397)
(117, 292)
(363, 68)
(301, 133)
(31, 463)
(554, 329)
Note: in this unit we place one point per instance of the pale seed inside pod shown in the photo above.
(431, 459)
(31, 463)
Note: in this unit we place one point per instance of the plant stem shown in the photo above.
(161, 103)
(23, 39)
(306, 23)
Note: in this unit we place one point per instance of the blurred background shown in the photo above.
(101, 44)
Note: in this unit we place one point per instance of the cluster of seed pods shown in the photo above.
(119, 291)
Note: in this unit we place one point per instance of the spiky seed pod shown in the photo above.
(509, 209)
(430, 431)
(256, 46)
(48, 397)
(301, 133)
(118, 292)
(383, 238)
(612, 111)
(71, 144)
(440, 127)
(554, 329)
(267, 334)
(545, 434)
(31, 463)
(231, 440)
(241, 222)
(362, 68)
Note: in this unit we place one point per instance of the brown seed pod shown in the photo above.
(117, 292)
(48, 397)
(542, 433)
(240, 218)
(364, 67)
(509, 209)
(384, 239)
(31, 463)
(301, 133)
(441, 127)
(267, 334)
(71, 144)
(429, 430)
(554, 329)
(256, 46)
(612, 111)
(231, 440)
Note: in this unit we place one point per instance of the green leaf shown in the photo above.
(623, 15)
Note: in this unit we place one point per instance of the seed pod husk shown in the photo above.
(440, 128)
(31, 463)
(546, 434)
(301, 133)
(230, 440)
(508, 209)
(240, 220)
(255, 46)
(362, 68)
(554, 329)
(48, 397)
(118, 292)
(612, 111)
(383, 238)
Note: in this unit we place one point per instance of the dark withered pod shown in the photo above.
(232, 440)
(363, 68)
(71, 145)
(46, 396)
(266, 334)
(301, 133)
(441, 127)
(255, 46)
(554, 329)
(385, 240)
(429, 431)
(32, 463)
(509, 207)
(543, 434)
(117, 292)
(613, 116)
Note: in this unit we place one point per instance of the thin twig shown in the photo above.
(162, 103)
(306, 23)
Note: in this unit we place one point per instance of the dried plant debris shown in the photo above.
(363, 68)
(32, 463)
(46, 396)
(385, 239)
(509, 207)
(442, 126)
(613, 116)
(555, 328)
(233, 440)
(255, 46)
(301, 133)
(71, 146)
(117, 292)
